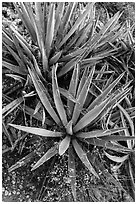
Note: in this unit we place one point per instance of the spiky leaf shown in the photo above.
(107, 144)
(82, 97)
(68, 95)
(99, 133)
(13, 67)
(72, 88)
(38, 131)
(83, 157)
(50, 27)
(50, 153)
(42, 92)
(11, 106)
(77, 23)
(105, 93)
(90, 116)
(22, 162)
(57, 99)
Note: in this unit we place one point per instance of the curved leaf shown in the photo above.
(64, 145)
(129, 144)
(16, 77)
(127, 117)
(69, 128)
(116, 158)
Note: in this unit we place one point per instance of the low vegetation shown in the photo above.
(73, 96)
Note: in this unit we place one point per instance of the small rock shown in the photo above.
(13, 182)
(20, 186)
(14, 192)
(6, 193)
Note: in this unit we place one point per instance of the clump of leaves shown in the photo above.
(59, 33)
(78, 124)
(63, 33)
(61, 39)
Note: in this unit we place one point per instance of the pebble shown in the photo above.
(29, 200)
(13, 182)
(32, 187)
(9, 193)
(3, 189)
(14, 192)
(20, 199)
(8, 178)
(27, 196)
(20, 186)
(6, 193)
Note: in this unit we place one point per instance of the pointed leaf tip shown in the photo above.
(50, 153)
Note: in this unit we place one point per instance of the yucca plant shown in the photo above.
(59, 33)
(66, 43)
(63, 33)
(76, 122)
